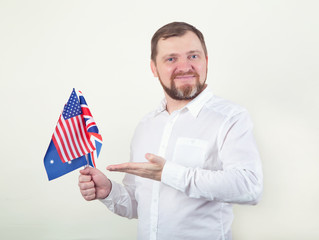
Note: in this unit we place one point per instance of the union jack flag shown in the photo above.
(92, 130)
(76, 140)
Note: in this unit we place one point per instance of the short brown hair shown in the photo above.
(174, 29)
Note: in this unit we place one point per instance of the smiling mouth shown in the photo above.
(184, 77)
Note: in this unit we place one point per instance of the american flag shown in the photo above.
(71, 137)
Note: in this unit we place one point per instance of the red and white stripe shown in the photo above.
(71, 139)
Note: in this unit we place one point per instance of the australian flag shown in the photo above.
(76, 140)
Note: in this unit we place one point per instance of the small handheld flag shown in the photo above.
(75, 141)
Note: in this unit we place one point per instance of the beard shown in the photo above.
(184, 92)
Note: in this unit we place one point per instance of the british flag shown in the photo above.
(92, 130)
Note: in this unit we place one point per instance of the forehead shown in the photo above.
(179, 45)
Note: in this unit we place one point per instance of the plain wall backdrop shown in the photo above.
(263, 55)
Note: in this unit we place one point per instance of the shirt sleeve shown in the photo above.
(239, 180)
(121, 200)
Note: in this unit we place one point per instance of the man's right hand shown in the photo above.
(94, 184)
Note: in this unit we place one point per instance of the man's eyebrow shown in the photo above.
(176, 54)
(194, 51)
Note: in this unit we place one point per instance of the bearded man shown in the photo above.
(191, 158)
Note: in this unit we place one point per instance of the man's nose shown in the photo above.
(183, 65)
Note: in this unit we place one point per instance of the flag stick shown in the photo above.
(87, 161)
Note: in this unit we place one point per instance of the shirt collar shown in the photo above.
(194, 106)
(161, 107)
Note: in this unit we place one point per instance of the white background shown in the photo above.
(262, 55)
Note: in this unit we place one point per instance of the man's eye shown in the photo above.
(194, 56)
(170, 59)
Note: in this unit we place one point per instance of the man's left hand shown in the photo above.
(152, 169)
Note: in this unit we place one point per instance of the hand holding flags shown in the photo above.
(76, 140)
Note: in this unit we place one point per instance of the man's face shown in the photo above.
(181, 66)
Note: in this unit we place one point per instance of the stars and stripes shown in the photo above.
(70, 136)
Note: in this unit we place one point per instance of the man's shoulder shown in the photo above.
(224, 107)
(147, 117)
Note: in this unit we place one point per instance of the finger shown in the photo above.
(89, 197)
(151, 157)
(88, 192)
(85, 178)
(86, 185)
(135, 169)
(85, 171)
(122, 166)
(125, 167)
(154, 158)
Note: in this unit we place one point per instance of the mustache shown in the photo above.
(181, 74)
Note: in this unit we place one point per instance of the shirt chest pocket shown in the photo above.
(190, 152)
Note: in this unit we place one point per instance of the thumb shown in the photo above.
(153, 158)
(86, 171)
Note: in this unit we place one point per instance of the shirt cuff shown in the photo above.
(174, 175)
(109, 200)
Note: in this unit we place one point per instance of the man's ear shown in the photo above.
(153, 68)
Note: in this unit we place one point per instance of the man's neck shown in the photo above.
(173, 105)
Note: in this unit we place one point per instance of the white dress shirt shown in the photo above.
(211, 162)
